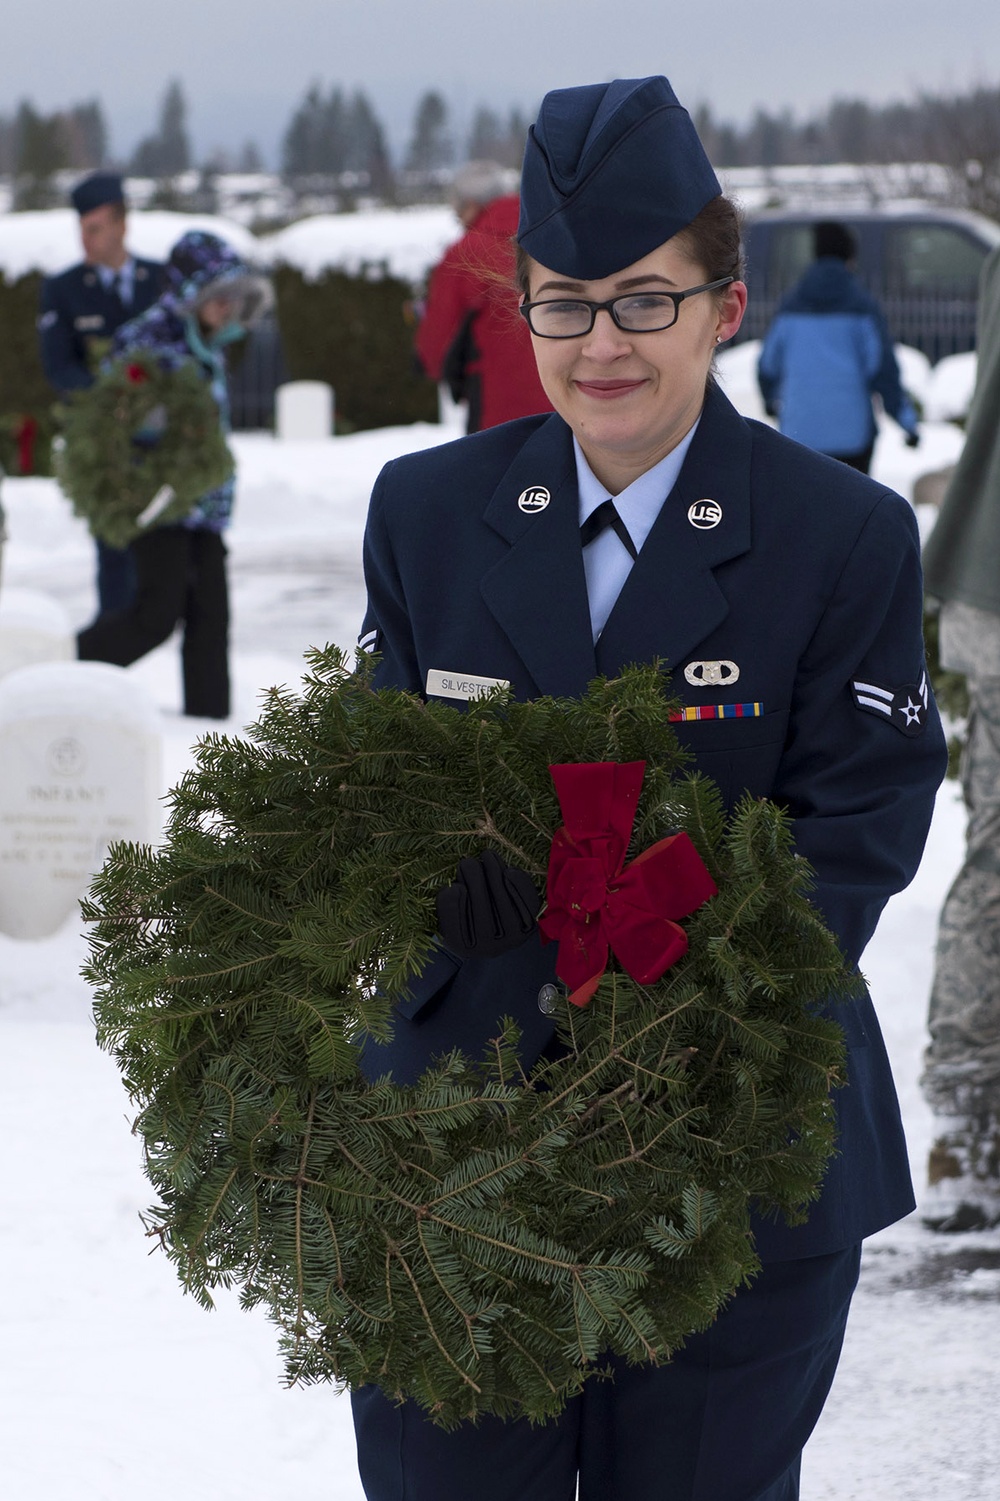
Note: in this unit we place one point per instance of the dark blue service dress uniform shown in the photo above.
(75, 311)
(805, 576)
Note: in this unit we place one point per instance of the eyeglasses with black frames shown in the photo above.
(633, 313)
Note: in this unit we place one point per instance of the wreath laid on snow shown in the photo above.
(480, 1240)
(141, 446)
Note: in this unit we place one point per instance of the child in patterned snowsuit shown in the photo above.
(212, 298)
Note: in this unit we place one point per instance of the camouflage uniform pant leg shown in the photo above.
(962, 1064)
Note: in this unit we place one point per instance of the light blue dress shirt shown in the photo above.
(126, 280)
(606, 560)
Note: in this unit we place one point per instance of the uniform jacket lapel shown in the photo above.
(537, 592)
(671, 600)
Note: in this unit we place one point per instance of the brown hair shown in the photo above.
(713, 239)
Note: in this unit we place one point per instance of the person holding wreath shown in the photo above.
(212, 298)
(83, 306)
(646, 520)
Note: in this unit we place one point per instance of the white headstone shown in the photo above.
(33, 628)
(304, 410)
(80, 751)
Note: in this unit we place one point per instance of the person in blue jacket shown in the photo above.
(827, 353)
(646, 519)
(212, 298)
(82, 307)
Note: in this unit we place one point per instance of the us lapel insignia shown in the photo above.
(535, 498)
(704, 514)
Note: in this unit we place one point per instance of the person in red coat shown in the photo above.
(470, 336)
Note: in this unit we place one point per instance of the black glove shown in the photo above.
(491, 908)
(912, 440)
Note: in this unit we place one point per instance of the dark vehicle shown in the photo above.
(922, 264)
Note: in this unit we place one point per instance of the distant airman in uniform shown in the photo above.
(84, 306)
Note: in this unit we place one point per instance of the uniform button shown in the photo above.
(548, 999)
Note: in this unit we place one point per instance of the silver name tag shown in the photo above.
(460, 685)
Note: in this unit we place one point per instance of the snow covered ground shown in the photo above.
(112, 1384)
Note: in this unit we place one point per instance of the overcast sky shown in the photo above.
(245, 64)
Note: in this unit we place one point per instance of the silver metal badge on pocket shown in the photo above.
(711, 674)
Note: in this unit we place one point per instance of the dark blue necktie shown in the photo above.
(598, 521)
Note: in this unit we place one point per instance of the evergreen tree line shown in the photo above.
(336, 135)
(931, 128)
(331, 135)
(960, 132)
(36, 145)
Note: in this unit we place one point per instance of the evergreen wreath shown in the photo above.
(141, 446)
(481, 1240)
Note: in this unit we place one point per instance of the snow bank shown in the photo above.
(49, 240)
(915, 371)
(403, 242)
(949, 390)
(406, 242)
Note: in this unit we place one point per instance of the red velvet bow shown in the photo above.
(596, 901)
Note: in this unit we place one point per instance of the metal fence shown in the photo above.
(256, 373)
(937, 326)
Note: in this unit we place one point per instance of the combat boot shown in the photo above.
(963, 1176)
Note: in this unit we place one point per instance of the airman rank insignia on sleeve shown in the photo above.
(370, 641)
(904, 707)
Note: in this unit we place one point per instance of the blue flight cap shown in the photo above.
(96, 190)
(611, 171)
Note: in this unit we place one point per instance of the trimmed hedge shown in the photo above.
(352, 332)
(24, 391)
